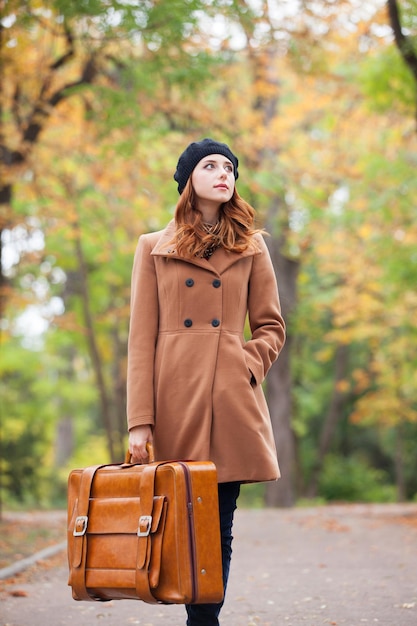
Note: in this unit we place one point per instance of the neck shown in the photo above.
(210, 214)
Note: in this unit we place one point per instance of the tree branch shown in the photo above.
(42, 108)
(68, 54)
(404, 43)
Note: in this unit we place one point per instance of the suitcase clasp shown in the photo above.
(145, 523)
(80, 526)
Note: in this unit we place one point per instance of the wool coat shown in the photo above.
(191, 374)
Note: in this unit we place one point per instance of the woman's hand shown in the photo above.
(138, 438)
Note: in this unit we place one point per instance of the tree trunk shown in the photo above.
(279, 385)
(119, 390)
(399, 464)
(64, 445)
(5, 200)
(92, 345)
(334, 413)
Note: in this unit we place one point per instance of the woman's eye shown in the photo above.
(229, 168)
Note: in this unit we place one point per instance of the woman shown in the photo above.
(194, 384)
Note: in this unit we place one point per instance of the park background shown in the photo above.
(319, 101)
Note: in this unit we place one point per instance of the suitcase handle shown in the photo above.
(149, 447)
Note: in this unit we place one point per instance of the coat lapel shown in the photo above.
(220, 261)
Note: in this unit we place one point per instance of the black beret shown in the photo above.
(197, 151)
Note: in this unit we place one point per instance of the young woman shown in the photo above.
(194, 385)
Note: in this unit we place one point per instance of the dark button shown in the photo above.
(189, 282)
(215, 323)
(188, 323)
(216, 283)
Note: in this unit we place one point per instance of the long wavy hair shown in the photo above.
(237, 219)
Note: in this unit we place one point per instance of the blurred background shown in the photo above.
(319, 101)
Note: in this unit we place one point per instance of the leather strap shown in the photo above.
(147, 491)
(80, 536)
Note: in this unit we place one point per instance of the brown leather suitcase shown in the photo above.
(145, 532)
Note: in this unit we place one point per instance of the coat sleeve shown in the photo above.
(266, 322)
(143, 331)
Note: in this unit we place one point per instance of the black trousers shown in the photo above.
(208, 614)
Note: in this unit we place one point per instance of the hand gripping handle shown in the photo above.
(149, 447)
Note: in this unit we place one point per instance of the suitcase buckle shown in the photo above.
(80, 526)
(144, 520)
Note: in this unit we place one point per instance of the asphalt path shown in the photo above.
(344, 565)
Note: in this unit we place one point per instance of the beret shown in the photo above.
(197, 151)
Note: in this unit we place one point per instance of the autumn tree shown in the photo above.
(323, 135)
(302, 105)
(58, 57)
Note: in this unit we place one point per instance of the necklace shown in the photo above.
(213, 230)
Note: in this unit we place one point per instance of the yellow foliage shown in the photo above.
(305, 141)
(361, 379)
(342, 386)
(384, 408)
(325, 354)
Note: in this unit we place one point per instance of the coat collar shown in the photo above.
(220, 261)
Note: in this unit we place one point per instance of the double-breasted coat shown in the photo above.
(191, 374)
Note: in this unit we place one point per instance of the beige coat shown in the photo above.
(190, 372)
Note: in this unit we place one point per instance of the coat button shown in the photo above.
(189, 282)
(216, 283)
(215, 323)
(188, 323)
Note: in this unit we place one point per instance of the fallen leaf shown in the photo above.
(18, 593)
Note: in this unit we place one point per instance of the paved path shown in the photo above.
(339, 566)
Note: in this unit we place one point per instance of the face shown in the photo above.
(213, 179)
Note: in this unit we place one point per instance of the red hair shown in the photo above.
(237, 219)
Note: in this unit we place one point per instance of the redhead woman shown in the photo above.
(194, 384)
